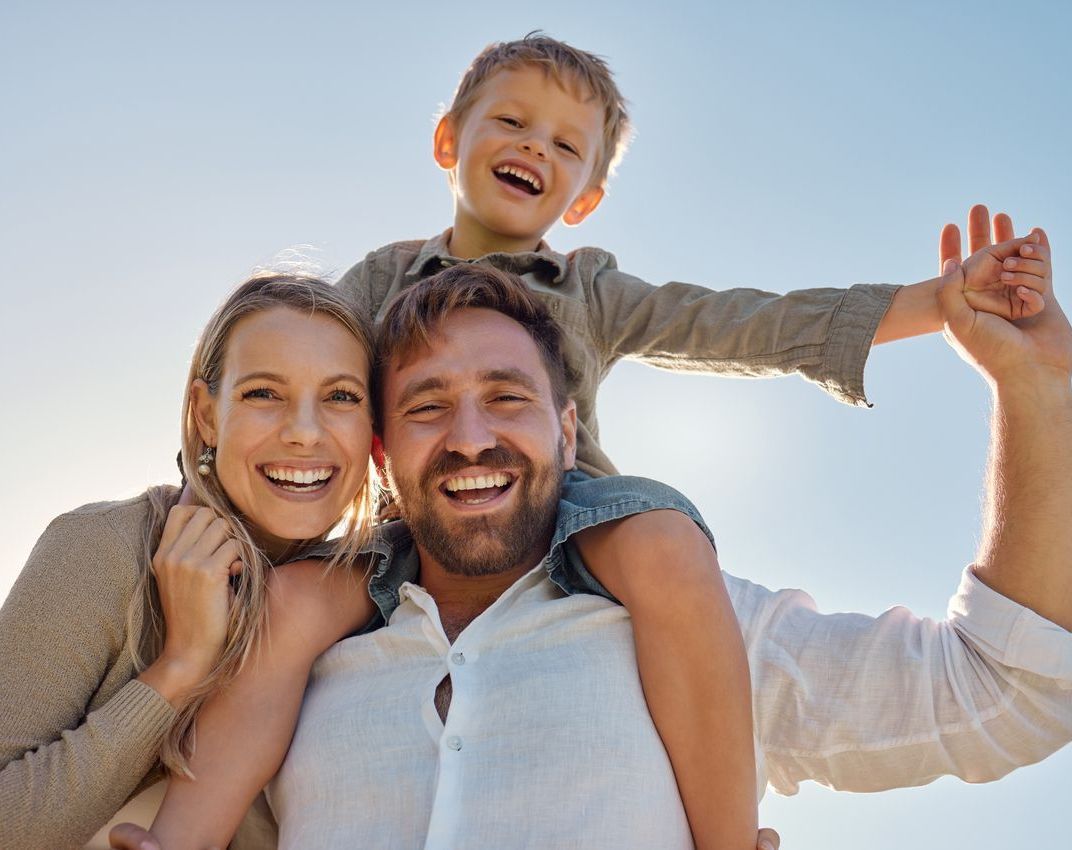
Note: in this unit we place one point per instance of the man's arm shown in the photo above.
(864, 703)
(1026, 550)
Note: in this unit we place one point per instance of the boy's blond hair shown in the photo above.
(570, 68)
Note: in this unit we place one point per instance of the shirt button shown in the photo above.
(454, 743)
(458, 658)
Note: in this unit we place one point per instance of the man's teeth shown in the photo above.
(521, 174)
(298, 476)
(477, 482)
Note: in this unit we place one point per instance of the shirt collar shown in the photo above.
(435, 255)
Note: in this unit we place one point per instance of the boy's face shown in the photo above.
(523, 156)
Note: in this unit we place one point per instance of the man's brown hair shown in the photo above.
(415, 314)
(572, 69)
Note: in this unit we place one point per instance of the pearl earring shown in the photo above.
(204, 462)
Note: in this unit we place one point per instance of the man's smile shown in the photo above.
(479, 489)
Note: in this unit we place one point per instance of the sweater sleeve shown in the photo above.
(64, 772)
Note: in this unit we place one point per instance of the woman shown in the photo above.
(128, 613)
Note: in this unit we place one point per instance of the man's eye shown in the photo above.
(424, 409)
(259, 393)
(509, 397)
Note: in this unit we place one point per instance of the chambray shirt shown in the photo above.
(548, 742)
(823, 334)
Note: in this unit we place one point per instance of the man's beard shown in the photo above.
(484, 545)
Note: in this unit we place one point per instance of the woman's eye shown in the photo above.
(346, 397)
(259, 393)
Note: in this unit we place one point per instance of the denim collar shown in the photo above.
(435, 255)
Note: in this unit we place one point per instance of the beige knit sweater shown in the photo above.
(78, 734)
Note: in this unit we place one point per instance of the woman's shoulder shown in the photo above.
(101, 537)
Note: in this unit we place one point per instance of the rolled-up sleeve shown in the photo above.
(862, 703)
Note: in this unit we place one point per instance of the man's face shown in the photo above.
(476, 445)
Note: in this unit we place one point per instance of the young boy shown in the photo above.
(530, 138)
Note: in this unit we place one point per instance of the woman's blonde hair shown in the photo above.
(248, 612)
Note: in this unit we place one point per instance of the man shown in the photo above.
(547, 741)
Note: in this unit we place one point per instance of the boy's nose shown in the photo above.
(533, 148)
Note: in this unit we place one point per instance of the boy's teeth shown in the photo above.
(298, 476)
(477, 482)
(521, 174)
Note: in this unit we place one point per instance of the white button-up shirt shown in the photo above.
(548, 742)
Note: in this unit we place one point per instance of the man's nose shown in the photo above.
(470, 432)
(303, 425)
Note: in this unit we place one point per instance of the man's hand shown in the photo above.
(1004, 277)
(999, 348)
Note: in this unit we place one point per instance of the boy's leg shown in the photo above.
(692, 663)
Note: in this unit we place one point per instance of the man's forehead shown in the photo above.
(471, 345)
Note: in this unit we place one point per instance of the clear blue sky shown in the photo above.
(154, 153)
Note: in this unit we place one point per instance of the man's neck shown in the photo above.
(461, 598)
(470, 240)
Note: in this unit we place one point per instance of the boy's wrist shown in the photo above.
(913, 311)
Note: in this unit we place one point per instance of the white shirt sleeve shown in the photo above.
(864, 703)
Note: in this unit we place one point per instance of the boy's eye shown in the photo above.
(510, 121)
(566, 146)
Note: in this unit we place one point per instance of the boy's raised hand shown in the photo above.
(1005, 277)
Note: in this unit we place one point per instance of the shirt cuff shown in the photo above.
(852, 331)
(1009, 633)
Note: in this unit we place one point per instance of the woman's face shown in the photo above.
(291, 423)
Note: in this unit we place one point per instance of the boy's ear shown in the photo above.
(444, 146)
(203, 404)
(583, 206)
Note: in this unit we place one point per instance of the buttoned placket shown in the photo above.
(459, 734)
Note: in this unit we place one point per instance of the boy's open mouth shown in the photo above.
(477, 489)
(298, 480)
(519, 177)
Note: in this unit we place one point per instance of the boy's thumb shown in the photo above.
(949, 266)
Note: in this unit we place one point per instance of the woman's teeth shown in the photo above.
(298, 480)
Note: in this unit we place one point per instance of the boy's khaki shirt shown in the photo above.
(822, 334)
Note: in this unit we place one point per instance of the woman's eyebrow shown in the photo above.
(341, 377)
(261, 376)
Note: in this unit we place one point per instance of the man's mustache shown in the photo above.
(497, 457)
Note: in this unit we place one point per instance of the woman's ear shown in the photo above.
(203, 405)
(444, 144)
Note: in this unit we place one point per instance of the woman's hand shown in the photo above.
(192, 565)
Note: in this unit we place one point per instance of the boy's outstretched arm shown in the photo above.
(243, 731)
(692, 664)
(1003, 278)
